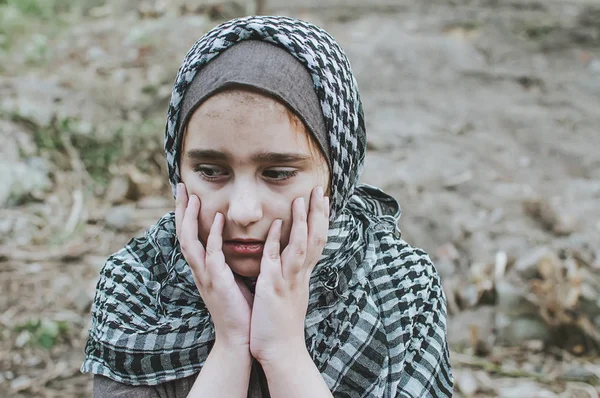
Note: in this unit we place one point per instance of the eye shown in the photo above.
(211, 172)
(279, 174)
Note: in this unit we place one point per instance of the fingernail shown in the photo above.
(301, 202)
(278, 224)
(327, 202)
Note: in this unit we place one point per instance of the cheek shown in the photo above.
(208, 210)
(282, 209)
(209, 204)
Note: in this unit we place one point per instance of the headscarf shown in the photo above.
(376, 318)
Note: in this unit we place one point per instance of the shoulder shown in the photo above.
(405, 269)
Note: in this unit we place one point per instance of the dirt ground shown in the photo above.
(483, 121)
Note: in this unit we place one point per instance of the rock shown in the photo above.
(23, 180)
(118, 190)
(119, 218)
(550, 215)
(459, 326)
(21, 383)
(514, 330)
(466, 382)
(524, 388)
(32, 362)
(84, 296)
(527, 266)
(155, 202)
(142, 184)
(579, 373)
(23, 338)
(469, 295)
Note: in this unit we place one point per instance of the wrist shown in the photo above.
(284, 359)
(232, 350)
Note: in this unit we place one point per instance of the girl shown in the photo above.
(277, 274)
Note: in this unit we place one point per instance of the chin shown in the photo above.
(246, 267)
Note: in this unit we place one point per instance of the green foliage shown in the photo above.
(537, 32)
(45, 333)
(34, 21)
(42, 9)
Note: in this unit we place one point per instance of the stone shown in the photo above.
(22, 339)
(118, 189)
(515, 330)
(460, 325)
(119, 218)
(527, 266)
(21, 383)
(524, 388)
(466, 382)
(579, 373)
(23, 180)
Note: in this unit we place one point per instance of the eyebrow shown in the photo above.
(262, 157)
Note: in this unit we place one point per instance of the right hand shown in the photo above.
(228, 300)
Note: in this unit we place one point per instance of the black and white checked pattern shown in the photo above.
(333, 81)
(376, 320)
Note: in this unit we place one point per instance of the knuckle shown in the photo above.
(320, 241)
(273, 255)
(300, 250)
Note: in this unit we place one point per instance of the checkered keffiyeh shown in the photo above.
(376, 320)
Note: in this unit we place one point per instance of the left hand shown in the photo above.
(282, 288)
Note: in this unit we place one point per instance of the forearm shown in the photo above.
(226, 373)
(295, 376)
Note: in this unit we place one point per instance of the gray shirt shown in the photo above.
(180, 388)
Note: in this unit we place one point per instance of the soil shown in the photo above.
(482, 118)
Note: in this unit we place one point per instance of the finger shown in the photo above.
(294, 255)
(181, 200)
(318, 226)
(270, 265)
(215, 259)
(191, 247)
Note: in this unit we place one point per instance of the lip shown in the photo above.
(246, 247)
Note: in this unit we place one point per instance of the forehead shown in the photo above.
(245, 122)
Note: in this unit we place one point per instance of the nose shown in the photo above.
(245, 207)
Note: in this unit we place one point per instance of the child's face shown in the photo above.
(244, 156)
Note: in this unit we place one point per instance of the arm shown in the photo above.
(281, 301)
(226, 373)
(295, 375)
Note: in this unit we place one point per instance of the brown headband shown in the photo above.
(268, 69)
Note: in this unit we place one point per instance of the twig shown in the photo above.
(76, 211)
(491, 367)
(68, 252)
(578, 386)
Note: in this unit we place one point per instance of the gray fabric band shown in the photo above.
(268, 69)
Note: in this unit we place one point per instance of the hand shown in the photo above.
(282, 288)
(228, 300)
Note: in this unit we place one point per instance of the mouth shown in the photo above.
(247, 247)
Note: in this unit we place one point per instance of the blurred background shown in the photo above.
(483, 118)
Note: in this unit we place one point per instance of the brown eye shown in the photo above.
(211, 172)
(279, 174)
